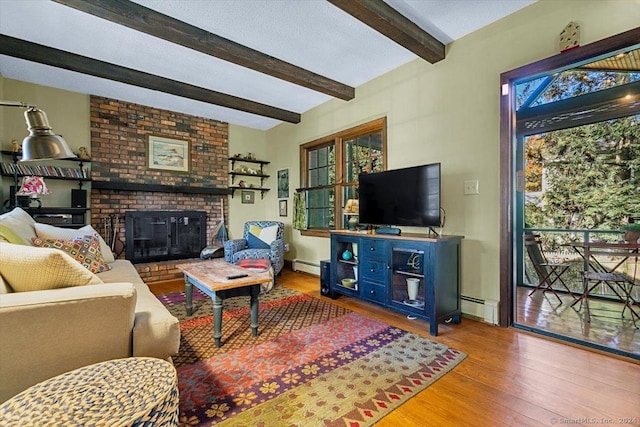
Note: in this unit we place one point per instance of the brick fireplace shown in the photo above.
(122, 180)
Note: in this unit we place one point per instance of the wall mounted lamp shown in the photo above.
(41, 143)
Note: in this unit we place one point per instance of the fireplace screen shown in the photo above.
(165, 235)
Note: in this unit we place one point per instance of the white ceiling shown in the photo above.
(312, 34)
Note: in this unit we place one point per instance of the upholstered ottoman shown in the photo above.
(259, 265)
(136, 391)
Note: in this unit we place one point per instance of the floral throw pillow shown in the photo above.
(84, 249)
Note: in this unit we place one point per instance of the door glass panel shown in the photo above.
(407, 286)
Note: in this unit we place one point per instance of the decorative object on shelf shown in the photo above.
(283, 207)
(248, 197)
(570, 37)
(352, 209)
(353, 222)
(168, 154)
(414, 303)
(414, 261)
(83, 154)
(15, 146)
(631, 232)
(412, 288)
(347, 255)
(283, 183)
(352, 206)
(244, 170)
(250, 156)
(42, 143)
(33, 186)
(349, 283)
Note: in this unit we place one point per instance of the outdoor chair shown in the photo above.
(548, 272)
(597, 274)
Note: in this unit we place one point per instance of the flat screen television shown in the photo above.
(401, 197)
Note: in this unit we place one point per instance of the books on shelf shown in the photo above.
(42, 170)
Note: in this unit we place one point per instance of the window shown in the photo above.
(330, 169)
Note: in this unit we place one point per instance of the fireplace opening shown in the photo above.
(164, 235)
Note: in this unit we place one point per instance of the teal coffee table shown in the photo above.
(219, 279)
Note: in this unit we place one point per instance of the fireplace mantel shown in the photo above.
(129, 186)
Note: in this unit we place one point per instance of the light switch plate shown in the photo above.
(471, 187)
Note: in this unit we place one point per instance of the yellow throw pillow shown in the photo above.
(85, 250)
(46, 231)
(29, 268)
(20, 222)
(4, 287)
(10, 236)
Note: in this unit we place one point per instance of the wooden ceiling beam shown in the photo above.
(140, 18)
(386, 20)
(29, 51)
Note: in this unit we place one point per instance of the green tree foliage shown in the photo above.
(592, 175)
(589, 176)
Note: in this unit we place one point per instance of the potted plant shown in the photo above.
(631, 232)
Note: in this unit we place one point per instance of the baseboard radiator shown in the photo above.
(486, 310)
(306, 266)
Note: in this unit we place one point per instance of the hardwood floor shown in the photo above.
(509, 378)
(606, 326)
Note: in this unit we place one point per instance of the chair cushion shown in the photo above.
(46, 231)
(85, 250)
(254, 264)
(261, 237)
(20, 223)
(259, 266)
(28, 268)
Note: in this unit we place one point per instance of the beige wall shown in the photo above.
(449, 113)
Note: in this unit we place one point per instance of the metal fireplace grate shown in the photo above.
(164, 235)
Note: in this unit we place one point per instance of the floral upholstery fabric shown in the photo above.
(237, 249)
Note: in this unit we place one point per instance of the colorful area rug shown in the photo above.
(313, 363)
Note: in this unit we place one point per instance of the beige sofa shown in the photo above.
(47, 332)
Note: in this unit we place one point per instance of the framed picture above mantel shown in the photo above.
(168, 154)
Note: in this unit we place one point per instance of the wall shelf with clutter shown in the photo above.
(15, 169)
(243, 166)
(73, 216)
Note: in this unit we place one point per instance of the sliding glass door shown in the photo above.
(570, 173)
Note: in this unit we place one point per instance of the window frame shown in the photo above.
(338, 140)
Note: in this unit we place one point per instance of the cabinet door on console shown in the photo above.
(410, 283)
(344, 264)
